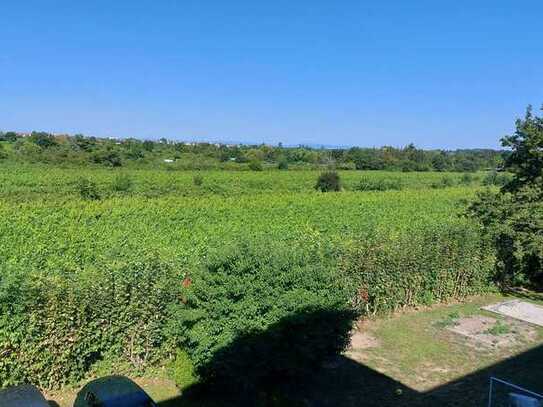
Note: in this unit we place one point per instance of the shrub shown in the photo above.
(466, 179)
(198, 180)
(108, 158)
(260, 313)
(328, 182)
(255, 165)
(87, 189)
(445, 182)
(368, 184)
(3, 154)
(122, 183)
(282, 165)
(496, 178)
(182, 371)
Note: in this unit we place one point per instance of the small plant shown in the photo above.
(328, 182)
(198, 180)
(450, 320)
(367, 184)
(87, 189)
(122, 183)
(182, 371)
(282, 165)
(445, 182)
(495, 178)
(466, 179)
(499, 328)
(255, 165)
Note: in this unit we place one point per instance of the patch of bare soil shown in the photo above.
(493, 333)
(363, 340)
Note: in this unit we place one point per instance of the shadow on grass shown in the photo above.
(274, 373)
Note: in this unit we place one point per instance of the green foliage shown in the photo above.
(3, 153)
(450, 320)
(467, 179)
(526, 158)
(499, 328)
(255, 165)
(122, 183)
(513, 216)
(260, 312)
(56, 325)
(369, 184)
(182, 370)
(43, 140)
(108, 158)
(87, 189)
(445, 182)
(328, 182)
(496, 178)
(90, 284)
(431, 265)
(198, 180)
(78, 149)
(282, 164)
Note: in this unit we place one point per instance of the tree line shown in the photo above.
(78, 149)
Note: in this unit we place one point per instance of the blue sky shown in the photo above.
(441, 74)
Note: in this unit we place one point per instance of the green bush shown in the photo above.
(255, 165)
(445, 182)
(368, 184)
(282, 165)
(182, 370)
(122, 183)
(3, 154)
(87, 189)
(259, 313)
(467, 179)
(328, 182)
(496, 178)
(198, 180)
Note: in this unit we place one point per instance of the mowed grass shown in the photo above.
(416, 349)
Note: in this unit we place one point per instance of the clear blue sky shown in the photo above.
(442, 74)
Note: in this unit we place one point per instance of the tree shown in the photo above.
(526, 158)
(43, 140)
(513, 216)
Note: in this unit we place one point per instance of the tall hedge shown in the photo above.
(433, 264)
(54, 326)
(262, 312)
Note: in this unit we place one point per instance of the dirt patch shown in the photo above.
(363, 340)
(491, 332)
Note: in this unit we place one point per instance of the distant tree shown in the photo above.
(9, 136)
(108, 158)
(148, 145)
(42, 139)
(439, 161)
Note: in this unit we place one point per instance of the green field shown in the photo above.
(42, 212)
